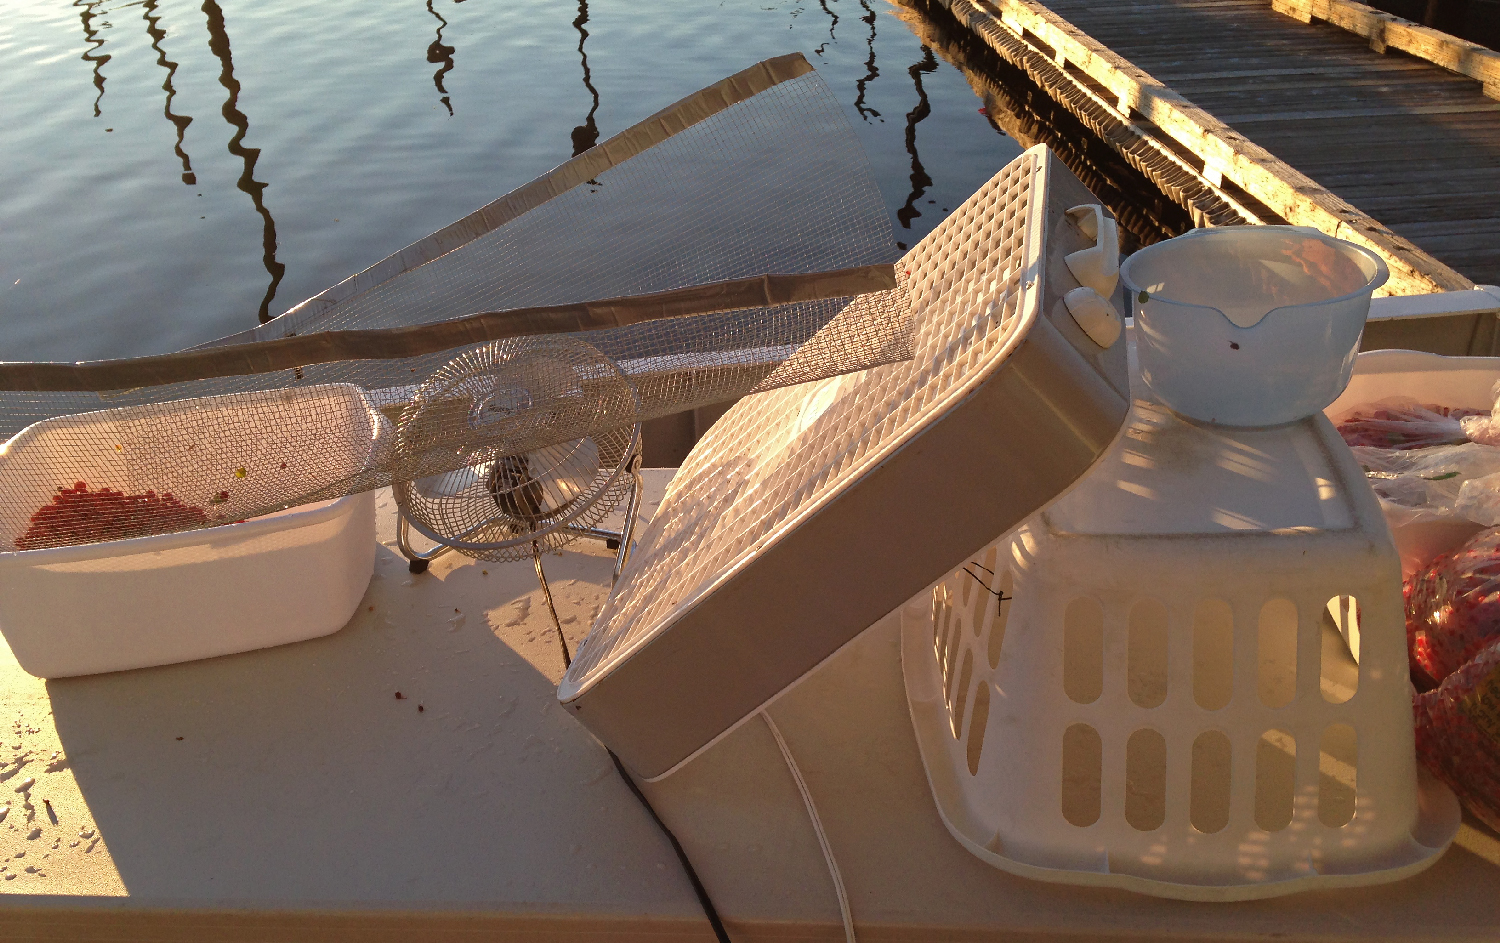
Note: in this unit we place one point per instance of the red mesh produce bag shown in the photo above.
(1453, 608)
(1403, 424)
(1458, 733)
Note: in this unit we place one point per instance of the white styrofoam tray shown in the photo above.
(153, 600)
(1427, 378)
(294, 575)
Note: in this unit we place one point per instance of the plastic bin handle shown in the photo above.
(1097, 267)
(1093, 312)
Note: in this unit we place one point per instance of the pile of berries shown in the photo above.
(1458, 733)
(1452, 621)
(80, 516)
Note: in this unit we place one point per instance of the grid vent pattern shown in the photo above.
(774, 457)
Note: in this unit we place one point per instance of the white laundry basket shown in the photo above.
(1140, 687)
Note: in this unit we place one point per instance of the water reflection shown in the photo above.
(585, 135)
(91, 35)
(425, 166)
(871, 73)
(218, 44)
(180, 122)
(833, 21)
(437, 53)
(919, 179)
(1016, 106)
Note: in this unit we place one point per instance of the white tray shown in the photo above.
(154, 600)
(294, 575)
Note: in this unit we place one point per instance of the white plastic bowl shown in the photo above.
(1250, 325)
(294, 575)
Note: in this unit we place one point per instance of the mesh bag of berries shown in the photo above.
(1458, 733)
(1453, 608)
(1406, 424)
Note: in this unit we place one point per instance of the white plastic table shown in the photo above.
(289, 794)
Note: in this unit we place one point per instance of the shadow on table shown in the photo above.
(295, 773)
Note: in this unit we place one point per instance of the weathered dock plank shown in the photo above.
(1386, 32)
(1412, 141)
(1277, 119)
(1230, 177)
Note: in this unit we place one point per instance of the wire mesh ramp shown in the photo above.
(731, 243)
(806, 514)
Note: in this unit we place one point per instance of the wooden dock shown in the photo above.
(1320, 113)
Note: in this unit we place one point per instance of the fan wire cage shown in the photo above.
(539, 429)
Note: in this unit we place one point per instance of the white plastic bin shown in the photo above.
(294, 575)
(163, 598)
(1467, 382)
(1140, 687)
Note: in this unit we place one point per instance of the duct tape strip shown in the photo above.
(331, 346)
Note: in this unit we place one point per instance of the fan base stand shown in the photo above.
(621, 541)
(420, 560)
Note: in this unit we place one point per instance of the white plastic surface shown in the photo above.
(1141, 687)
(1427, 378)
(294, 575)
(1093, 312)
(1098, 266)
(1250, 325)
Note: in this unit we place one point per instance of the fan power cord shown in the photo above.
(536, 556)
(699, 890)
(817, 824)
(704, 900)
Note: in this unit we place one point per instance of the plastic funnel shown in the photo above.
(1250, 325)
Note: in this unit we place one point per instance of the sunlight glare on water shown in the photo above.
(172, 170)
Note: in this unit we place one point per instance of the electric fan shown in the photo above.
(540, 432)
(774, 544)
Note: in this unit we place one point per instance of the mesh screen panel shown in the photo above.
(726, 198)
(757, 176)
(770, 461)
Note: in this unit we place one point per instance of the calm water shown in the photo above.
(173, 170)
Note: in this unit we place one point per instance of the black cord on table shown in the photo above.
(687, 866)
(704, 900)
